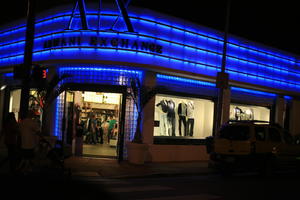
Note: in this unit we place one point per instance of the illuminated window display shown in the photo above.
(34, 102)
(183, 116)
(249, 112)
(14, 102)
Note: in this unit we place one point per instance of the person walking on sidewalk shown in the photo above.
(11, 134)
(30, 129)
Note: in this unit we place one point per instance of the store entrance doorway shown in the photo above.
(93, 122)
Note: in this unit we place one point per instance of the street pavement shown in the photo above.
(111, 168)
(48, 183)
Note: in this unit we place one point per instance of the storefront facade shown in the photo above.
(180, 57)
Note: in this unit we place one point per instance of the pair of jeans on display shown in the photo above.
(164, 126)
(182, 121)
(167, 126)
(190, 127)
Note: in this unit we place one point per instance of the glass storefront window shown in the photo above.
(183, 116)
(249, 112)
(14, 102)
(34, 102)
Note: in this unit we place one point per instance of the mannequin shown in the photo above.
(171, 117)
(182, 113)
(163, 111)
(238, 113)
(190, 118)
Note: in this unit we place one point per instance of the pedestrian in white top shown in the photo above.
(30, 129)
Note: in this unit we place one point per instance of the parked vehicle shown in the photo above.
(253, 145)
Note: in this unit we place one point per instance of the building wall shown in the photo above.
(171, 44)
(181, 56)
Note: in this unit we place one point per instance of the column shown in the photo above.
(148, 112)
(226, 105)
(294, 117)
(279, 110)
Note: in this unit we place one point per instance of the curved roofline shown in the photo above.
(134, 11)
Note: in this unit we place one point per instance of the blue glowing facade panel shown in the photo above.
(186, 85)
(159, 41)
(98, 74)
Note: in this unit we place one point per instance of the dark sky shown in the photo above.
(274, 23)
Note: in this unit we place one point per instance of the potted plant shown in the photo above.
(141, 95)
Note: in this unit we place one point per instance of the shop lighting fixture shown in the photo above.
(3, 87)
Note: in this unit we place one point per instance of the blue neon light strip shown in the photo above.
(99, 69)
(203, 66)
(238, 89)
(288, 97)
(8, 74)
(184, 80)
(247, 63)
(269, 68)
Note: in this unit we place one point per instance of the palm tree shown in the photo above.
(141, 96)
(45, 94)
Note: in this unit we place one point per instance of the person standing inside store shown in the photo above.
(112, 122)
(29, 139)
(93, 129)
(11, 134)
(100, 129)
(104, 127)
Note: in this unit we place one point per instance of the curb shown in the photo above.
(132, 176)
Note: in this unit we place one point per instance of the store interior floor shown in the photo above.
(99, 150)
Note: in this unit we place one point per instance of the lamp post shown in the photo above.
(222, 76)
(29, 40)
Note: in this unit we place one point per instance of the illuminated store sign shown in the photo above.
(112, 42)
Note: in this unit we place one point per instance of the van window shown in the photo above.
(274, 135)
(260, 133)
(235, 132)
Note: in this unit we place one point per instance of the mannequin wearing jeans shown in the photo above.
(190, 118)
(182, 113)
(171, 117)
(163, 110)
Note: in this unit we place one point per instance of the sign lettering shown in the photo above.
(113, 42)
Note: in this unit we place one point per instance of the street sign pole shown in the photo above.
(29, 40)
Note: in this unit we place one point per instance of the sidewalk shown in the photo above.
(110, 168)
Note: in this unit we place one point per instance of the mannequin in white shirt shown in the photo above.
(163, 120)
(190, 118)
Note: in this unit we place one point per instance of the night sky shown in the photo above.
(273, 23)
